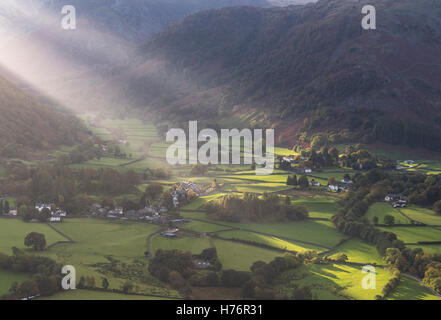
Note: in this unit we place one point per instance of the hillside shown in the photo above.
(29, 128)
(306, 69)
(33, 45)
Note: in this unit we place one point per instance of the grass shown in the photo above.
(199, 202)
(8, 278)
(14, 231)
(241, 257)
(284, 152)
(337, 173)
(95, 238)
(142, 139)
(260, 187)
(318, 207)
(270, 241)
(415, 234)
(81, 294)
(277, 178)
(411, 290)
(332, 282)
(321, 233)
(96, 241)
(358, 251)
(199, 226)
(381, 209)
(423, 215)
(432, 249)
(193, 245)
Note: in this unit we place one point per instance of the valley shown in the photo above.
(116, 250)
(351, 208)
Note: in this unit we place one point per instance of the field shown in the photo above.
(239, 256)
(81, 294)
(139, 140)
(14, 231)
(381, 209)
(193, 245)
(320, 233)
(318, 206)
(199, 226)
(411, 290)
(423, 215)
(102, 246)
(118, 250)
(8, 278)
(415, 234)
(432, 249)
(358, 251)
(332, 282)
(269, 241)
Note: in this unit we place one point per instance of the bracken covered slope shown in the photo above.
(312, 68)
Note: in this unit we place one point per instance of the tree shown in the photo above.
(24, 213)
(153, 191)
(35, 240)
(44, 215)
(90, 282)
(82, 283)
(105, 283)
(437, 207)
(176, 280)
(127, 287)
(303, 182)
(389, 220)
(47, 285)
(198, 170)
(302, 293)
(294, 180)
(27, 288)
(342, 257)
(6, 207)
(375, 220)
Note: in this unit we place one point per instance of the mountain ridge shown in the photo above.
(307, 64)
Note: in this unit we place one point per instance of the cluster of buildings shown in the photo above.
(302, 170)
(183, 190)
(150, 214)
(397, 200)
(56, 214)
(407, 164)
(344, 185)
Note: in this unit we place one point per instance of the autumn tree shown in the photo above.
(154, 191)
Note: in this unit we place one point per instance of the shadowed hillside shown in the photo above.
(306, 69)
(29, 127)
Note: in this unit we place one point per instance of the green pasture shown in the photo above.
(241, 257)
(269, 241)
(411, 290)
(81, 294)
(382, 209)
(358, 251)
(332, 282)
(415, 234)
(14, 231)
(7, 278)
(423, 215)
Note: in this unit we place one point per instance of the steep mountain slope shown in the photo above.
(68, 65)
(29, 128)
(306, 68)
